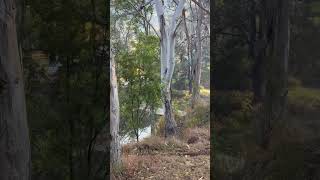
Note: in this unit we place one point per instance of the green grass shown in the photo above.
(315, 10)
(285, 156)
(182, 101)
(306, 98)
(315, 7)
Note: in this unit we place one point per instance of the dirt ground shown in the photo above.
(186, 157)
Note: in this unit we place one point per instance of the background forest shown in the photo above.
(263, 106)
(164, 102)
(244, 83)
(64, 46)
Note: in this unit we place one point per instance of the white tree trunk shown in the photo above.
(188, 53)
(115, 151)
(167, 56)
(198, 64)
(14, 136)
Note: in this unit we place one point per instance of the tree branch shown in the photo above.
(145, 18)
(200, 6)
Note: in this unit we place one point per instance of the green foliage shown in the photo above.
(303, 100)
(204, 91)
(49, 118)
(179, 93)
(49, 156)
(304, 59)
(200, 115)
(65, 112)
(233, 104)
(139, 81)
(293, 82)
(288, 162)
(315, 7)
(160, 125)
(231, 70)
(180, 100)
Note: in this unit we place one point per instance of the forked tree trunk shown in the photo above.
(167, 56)
(115, 149)
(14, 136)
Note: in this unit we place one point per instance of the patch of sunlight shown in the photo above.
(301, 95)
(204, 91)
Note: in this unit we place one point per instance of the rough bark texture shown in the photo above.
(198, 63)
(275, 20)
(257, 46)
(256, 68)
(167, 56)
(115, 150)
(14, 136)
(170, 125)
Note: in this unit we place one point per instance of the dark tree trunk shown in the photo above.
(190, 79)
(137, 137)
(15, 160)
(70, 121)
(170, 125)
(256, 51)
(276, 36)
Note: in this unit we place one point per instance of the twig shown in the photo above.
(144, 18)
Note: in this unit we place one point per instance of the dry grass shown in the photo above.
(166, 167)
(157, 158)
(202, 133)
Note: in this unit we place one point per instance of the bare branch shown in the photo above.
(138, 10)
(176, 14)
(177, 26)
(200, 6)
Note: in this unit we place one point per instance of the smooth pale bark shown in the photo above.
(275, 25)
(198, 63)
(188, 52)
(14, 136)
(115, 150)
(167, 56)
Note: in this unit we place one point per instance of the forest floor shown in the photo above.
(185, 157)
(293, 151)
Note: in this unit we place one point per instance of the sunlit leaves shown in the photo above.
(139, 73)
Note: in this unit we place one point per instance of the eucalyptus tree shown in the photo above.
(134, 41)
(198, 58)
(140, 83)
(115, 148)
(74, 32)
(167, 57)
(275, 41)
(15, 162)
(196, 21)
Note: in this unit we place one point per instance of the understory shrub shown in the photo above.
(159, 127)
(303, 100)
(199, 115)
(232, 104)
(294, 82)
